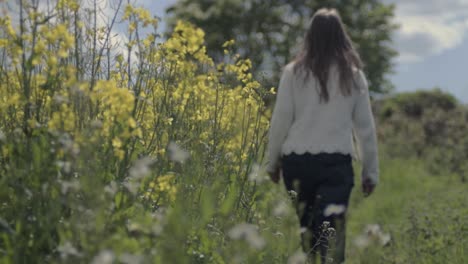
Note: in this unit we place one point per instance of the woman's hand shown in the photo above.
(275, 176)
(367, 187)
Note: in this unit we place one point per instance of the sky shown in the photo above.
(432, 42)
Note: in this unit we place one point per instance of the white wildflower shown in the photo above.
(325, 224)
(18, 131)
(5, 227)
(45, 187)
(384, 239)
(248, 232)
(198, 254)
(372, 233)
(29, 194)
(302, 230)
(372, 229)
(257, 174)
(158, 220)
(69, 185)
(141, 168)
(67, 249)
(104, 257)
(281, 209)
(298, 258)
(60, 99)
(176, 153)
(292, 194)
(362, 241)
(111, 188)
(278, 234)
(64, 165)
(132, 186)
(2, 136)
(157, 229)
(134, 226)
(334, 209)
(68, 144)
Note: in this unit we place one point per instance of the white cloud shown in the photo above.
(429, 27)
(420, 37)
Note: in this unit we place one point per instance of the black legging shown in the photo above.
(318, 181)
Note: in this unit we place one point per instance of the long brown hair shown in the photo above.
(326, 42)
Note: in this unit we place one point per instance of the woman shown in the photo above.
(322, 96)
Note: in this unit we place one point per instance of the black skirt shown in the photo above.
(329, 175)
(316, 181)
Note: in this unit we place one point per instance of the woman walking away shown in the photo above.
(322, 96)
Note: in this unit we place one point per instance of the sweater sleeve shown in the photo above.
(281, 120)
(364, 127)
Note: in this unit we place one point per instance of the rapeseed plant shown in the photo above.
(99, 134)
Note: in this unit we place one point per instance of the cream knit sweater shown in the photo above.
(301, 123)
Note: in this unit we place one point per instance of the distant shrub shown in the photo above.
(427, 124)
(414, 104)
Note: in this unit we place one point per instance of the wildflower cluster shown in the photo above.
(372, 234)
(98, 134)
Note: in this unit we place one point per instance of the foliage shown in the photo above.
(424, 215)
(92, 155)
(149, 152)
(268, 32)
(426, 124)
(413, 105)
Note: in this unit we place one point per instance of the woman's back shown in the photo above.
(318, 126)
(303, 122)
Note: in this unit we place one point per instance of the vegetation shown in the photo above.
(152, 153)
(268, 31)
(432, 125)
(424, 214)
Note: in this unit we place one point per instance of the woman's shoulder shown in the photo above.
(290, 67)
(288, 72)
(294, 70)
(360, 80)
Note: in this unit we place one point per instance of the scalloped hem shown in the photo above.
(316, 150)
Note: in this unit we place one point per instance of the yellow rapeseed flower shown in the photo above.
(116, 143)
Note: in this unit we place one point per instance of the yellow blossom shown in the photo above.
(116, 143)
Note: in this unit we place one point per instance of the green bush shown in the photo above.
(430, 125)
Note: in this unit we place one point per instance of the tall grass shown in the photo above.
(425, 215)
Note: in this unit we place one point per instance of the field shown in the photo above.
(153, 153)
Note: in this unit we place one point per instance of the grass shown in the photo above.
(426, 216)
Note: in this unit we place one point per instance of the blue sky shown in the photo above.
(432, 41)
